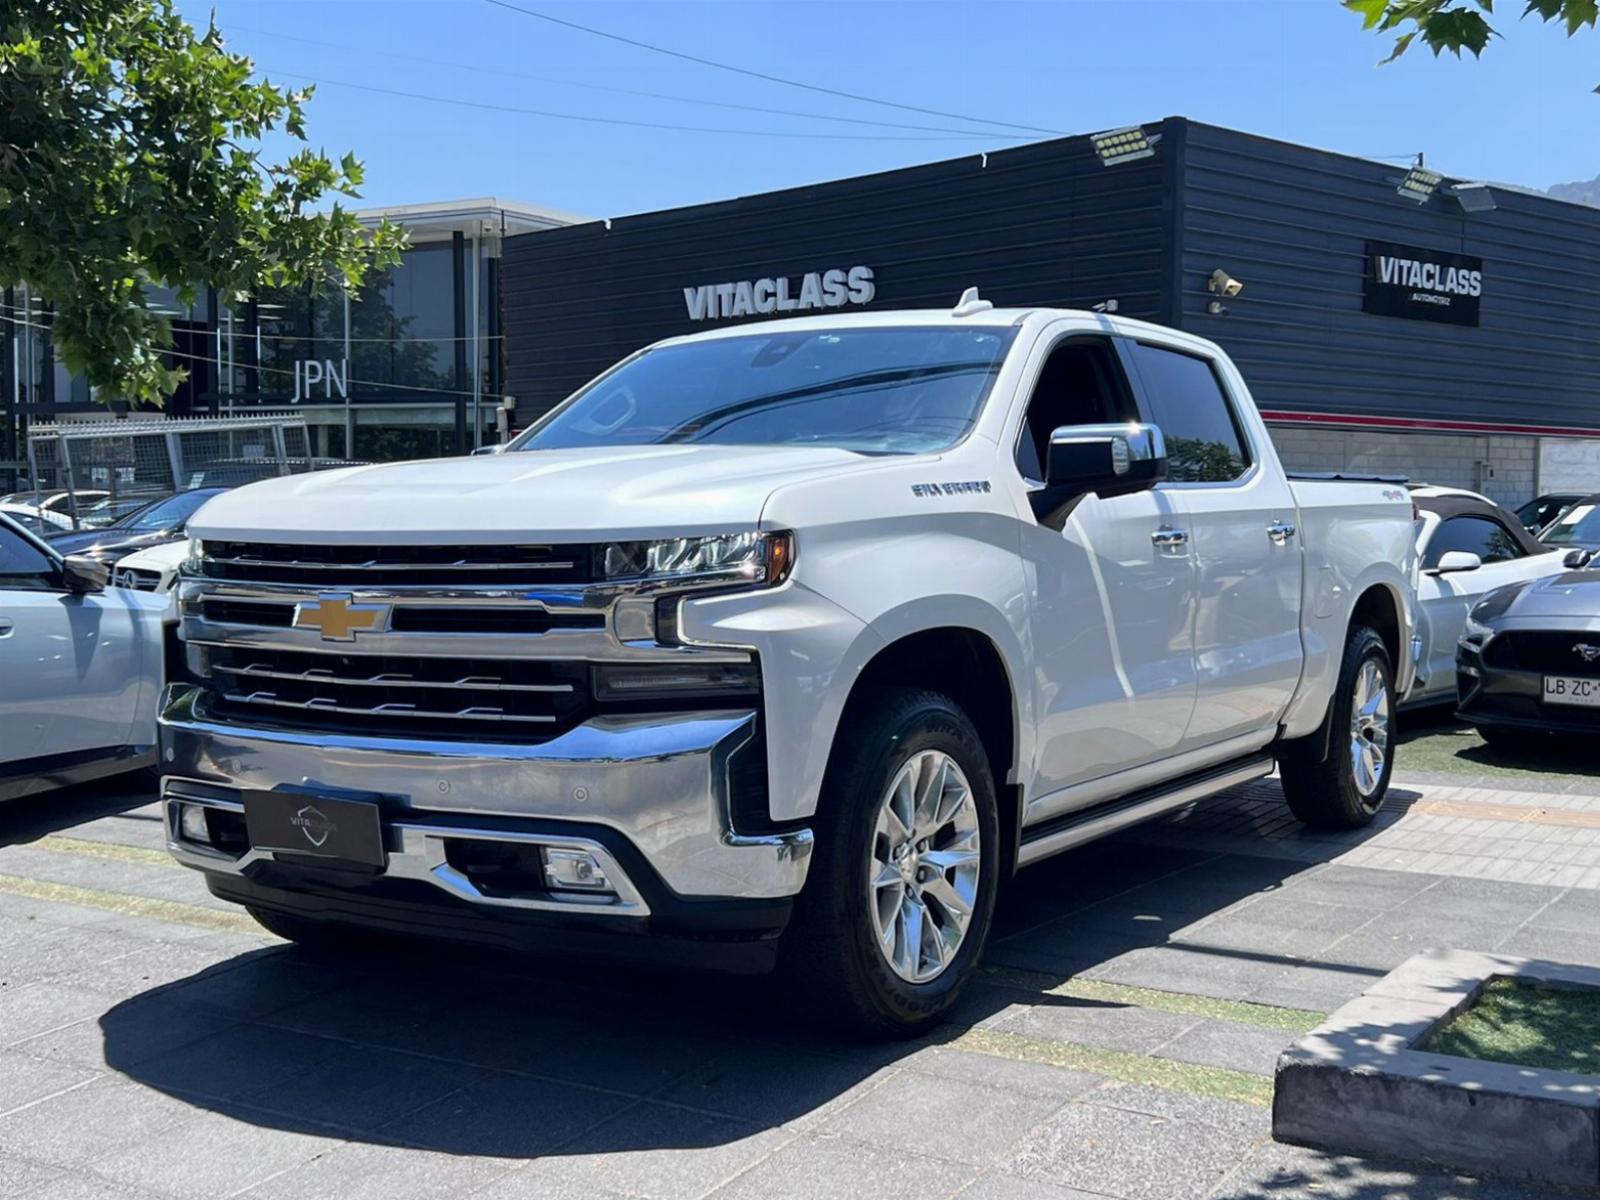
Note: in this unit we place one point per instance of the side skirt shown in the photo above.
(1073, 829)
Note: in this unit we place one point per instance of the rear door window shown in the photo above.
(1205, 443)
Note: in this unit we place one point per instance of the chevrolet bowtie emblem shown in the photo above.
(338, 620)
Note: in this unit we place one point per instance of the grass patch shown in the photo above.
(1433, 742)
(1529, 1024)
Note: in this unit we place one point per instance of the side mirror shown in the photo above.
(80, 574)
(1457, 560)
(1577, 560)
(495, 449)
(1106, 460)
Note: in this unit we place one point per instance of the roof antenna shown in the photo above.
(970, 304)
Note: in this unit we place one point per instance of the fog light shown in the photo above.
(192, 824)
(574, 871)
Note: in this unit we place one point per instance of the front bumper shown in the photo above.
(649, 797)
(1495, 695)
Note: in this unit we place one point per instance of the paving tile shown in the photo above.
(127, 1034)
(1246, 1121)
(774, 1085)
(32, 960)
(1227, 1044)
(1578, 911)
(1559, 945)
(658, 1152)
(1358, 887)
(26, 1081)
(26, 1012)
(260, 983)
(19, 1177)
(74, 1185)
(505, 1116)
(1496, 903)
(1391, 939)
(1007, 1074)
(814, 1167)
(374, 1171)
(238, 1062)
(997, 1185)
(71, 1128)
(1278, 1172)
(1125, 1153)
(214, 1154)
(942, 1118)
(1194, 969)
(1102, 1024)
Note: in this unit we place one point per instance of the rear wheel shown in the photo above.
(898, 900)
(1337, 777)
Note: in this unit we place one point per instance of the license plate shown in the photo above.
(298, 823)
(1568, 689)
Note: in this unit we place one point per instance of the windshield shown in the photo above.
(170, 513)
(874, 390)
(1579, 524)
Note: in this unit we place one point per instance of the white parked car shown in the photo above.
(782, 647)
(80, 669)
(43, 512)
(1467, 545)
(153, 569)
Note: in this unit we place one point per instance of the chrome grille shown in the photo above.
(393, 693)
(375, 566)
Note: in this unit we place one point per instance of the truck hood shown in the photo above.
(615, 492)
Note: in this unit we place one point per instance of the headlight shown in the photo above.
(1475, 631)
(757, 558)
(191, 560)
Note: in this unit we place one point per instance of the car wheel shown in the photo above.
(900, 893)
(1337, 777)
(314, 935)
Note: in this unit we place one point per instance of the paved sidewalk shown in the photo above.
(154, 1043)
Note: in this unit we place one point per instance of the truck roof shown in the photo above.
(882, 318)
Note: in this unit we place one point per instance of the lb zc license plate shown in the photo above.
(1569, 689)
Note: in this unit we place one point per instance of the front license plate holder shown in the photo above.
(320, 826)
(1572, 689)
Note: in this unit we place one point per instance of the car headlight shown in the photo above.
(1475, 631)
(191, 560)
(762, 559)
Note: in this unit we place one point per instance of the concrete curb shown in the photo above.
(1355, 1083)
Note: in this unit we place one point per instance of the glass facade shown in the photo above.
(407, 365)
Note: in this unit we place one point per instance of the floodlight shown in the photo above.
(1123, 145)
(1474, 197)
(1420, 184)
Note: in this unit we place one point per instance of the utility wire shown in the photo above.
(746, 71)
(559, 116)
(480, 69)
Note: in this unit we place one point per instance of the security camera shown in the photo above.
(1224, 284)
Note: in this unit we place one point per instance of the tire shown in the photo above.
(830, 964)
(1328, 785)
(1507, 740)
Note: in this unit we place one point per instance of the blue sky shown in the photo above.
(1302, 70)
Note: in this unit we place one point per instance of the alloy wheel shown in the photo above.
(923, 878)
(1369, 728)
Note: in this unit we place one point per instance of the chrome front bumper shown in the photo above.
(660, 782)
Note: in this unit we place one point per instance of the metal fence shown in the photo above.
(113, 466)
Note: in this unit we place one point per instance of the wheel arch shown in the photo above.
(967, 665)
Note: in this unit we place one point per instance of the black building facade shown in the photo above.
(1465, 321)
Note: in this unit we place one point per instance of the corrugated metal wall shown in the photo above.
(1293, 223)
(1042, 224)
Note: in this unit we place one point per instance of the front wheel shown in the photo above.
(900, 894)
(1337, 777)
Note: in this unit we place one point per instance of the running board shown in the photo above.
(1073, 829)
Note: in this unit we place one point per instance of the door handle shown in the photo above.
(1170, 539)
(1280, 532)
(6, 628)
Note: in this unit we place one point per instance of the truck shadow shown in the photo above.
(468, 1053)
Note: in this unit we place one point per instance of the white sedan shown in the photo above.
(1467, 545)
(81, 665)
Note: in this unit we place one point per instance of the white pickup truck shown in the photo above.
(783, 647)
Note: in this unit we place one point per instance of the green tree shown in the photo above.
(130, 154)
(1457, 25)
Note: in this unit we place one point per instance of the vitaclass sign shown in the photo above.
(1426, 285)
(760, 297)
